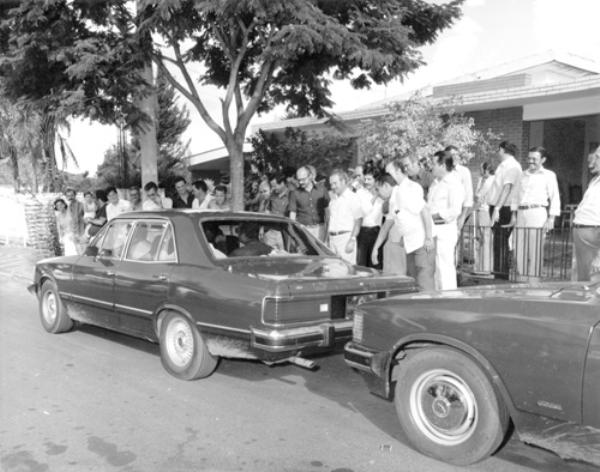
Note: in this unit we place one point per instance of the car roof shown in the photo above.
(208, 213)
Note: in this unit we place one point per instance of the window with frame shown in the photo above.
(238, 238)
(167, 247)
(145, 241)
(115, 239)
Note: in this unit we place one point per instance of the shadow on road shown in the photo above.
(335, 381)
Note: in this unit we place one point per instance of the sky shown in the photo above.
(489, 33)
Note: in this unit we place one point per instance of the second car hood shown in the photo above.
(305, 268)
(574, 291)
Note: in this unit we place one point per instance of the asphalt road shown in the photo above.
(92, 400)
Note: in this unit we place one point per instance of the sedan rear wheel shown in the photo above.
(52, 311)
(183, 351)
(447, 407)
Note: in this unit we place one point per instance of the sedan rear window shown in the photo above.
(255, 238)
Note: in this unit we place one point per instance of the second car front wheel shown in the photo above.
(447, 407)
(183, 351)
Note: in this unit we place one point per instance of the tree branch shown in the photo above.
(265, 74)
(212, 124)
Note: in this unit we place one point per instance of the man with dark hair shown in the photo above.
(115, 205)
(445, 202)
(152, 201)
(308, 203)
(466, 180)
(99, 219)
(201, 197)
(507, 176)
(372, 208)
(280, 195)
(535, 205)
(248, 236)
(394, 255)
(586, 225)
(413, 220)
(183, 198)
(219, 202)
(135, 198)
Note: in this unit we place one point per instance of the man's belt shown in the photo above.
(337, 233)
(575, 225)
(529, 207)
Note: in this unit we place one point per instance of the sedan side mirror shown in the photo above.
(91, 251)
(105, 253)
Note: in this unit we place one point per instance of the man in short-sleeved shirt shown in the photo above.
(345, 217)
(308, 203)
(586, 226)
(279, 200)
(535, 205)
(413, 221)
(115, 205)
(507, 176)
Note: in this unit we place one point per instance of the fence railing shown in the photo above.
(517, 254)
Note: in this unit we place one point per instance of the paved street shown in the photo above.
(91, 400)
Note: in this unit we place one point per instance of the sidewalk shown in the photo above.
(18, 262)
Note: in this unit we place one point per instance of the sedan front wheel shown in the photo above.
(53, 314)
(447, 406)
(183, 352)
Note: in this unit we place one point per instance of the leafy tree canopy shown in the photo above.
(295, 148)
(420, 126)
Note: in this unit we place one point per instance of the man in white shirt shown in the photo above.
(372, 208)
(586, 225)
(445, 201)
(115, 205)
(535, 205)
(394, 255)
(413, 220)
(506, 178)
(152, 202)
(466, 180)
(201, 196)
(345, 216)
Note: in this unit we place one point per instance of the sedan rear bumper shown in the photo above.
(291, 339)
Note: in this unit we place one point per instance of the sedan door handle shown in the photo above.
(160, 276)
(110, 274)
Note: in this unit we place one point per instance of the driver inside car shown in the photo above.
(251, 246)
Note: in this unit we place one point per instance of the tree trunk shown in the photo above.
(15, 168)
(48, 132)
(236, 171)
(149, 105)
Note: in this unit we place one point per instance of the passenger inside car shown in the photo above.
(140, 249)
(252, 246)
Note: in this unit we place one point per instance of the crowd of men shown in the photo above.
(398, 215)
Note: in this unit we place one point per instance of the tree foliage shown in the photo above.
(173, 120)
(263, 53)
(420, 126)
(295, 148)
(83, 57)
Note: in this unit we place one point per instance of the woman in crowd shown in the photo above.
(64, 224)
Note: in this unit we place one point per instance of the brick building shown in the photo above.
(550, 99)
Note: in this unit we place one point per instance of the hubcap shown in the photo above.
(443, 407)
(179, 341)
(49, 308)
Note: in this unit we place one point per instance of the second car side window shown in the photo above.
(115, 239)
